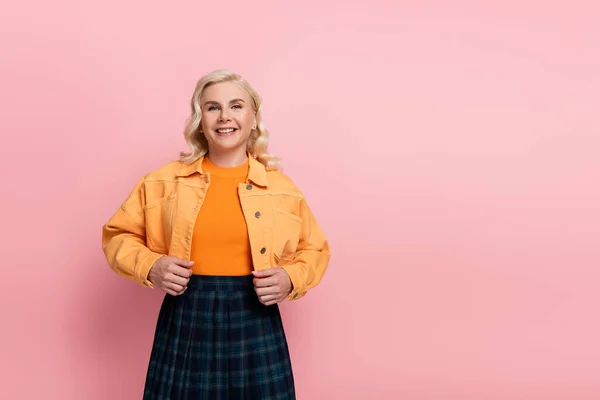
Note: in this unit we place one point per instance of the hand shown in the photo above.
(272, 285)
(171, 274)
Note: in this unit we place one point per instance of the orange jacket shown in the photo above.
(158, 219)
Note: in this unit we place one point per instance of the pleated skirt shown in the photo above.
(217, 341)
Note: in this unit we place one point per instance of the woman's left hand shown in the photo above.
(272, 285)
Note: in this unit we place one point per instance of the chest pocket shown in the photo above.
(159, 222)
(286, 234)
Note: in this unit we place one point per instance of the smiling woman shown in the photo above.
(227, 237)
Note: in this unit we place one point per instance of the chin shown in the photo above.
(228, 146)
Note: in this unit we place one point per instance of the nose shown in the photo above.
(223, 116)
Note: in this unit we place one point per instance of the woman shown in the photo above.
(227, 236)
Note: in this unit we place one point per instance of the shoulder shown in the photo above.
(165, 172)
(279, 181)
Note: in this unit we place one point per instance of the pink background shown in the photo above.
(450, 152)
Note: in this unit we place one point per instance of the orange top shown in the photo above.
(220, 243)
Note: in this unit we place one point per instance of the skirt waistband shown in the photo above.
(214, 283)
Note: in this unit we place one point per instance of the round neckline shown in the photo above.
(213, 169)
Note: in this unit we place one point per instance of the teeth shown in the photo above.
(225, 130)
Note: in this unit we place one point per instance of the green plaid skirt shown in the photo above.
(216, 341)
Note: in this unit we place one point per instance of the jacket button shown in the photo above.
(263, 250)
(249, 187)
(257, 214)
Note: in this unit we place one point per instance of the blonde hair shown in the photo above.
(259, 137)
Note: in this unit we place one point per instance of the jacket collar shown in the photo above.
(257, 173)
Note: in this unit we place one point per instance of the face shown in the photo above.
(227, 117)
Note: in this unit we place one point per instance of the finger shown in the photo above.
(175, 287)
(267, 299)
(178, 280)
(180, 271)
(181, 292)
(265, 272)
(265, 282)
(267, 291)
(183, 263)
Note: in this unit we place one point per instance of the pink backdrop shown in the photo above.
(451, 154)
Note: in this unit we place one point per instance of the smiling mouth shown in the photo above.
(226, 131)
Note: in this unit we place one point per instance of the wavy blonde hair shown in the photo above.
(259, 137)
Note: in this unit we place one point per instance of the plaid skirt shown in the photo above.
(216, 341)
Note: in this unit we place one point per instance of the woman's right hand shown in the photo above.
(171, 274)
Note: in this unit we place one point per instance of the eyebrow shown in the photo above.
(217, 103)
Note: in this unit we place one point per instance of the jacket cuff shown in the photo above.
(143, 268)
(297, 282)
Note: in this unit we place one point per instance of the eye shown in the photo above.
(237, 106)
(212, 108)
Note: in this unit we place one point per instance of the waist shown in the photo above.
(220, 283)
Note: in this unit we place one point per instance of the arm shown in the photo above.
(311, 258)
(124, 239)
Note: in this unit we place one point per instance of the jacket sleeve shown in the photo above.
(311, 258)
(124, 239)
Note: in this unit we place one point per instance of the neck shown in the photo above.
(228, 159)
